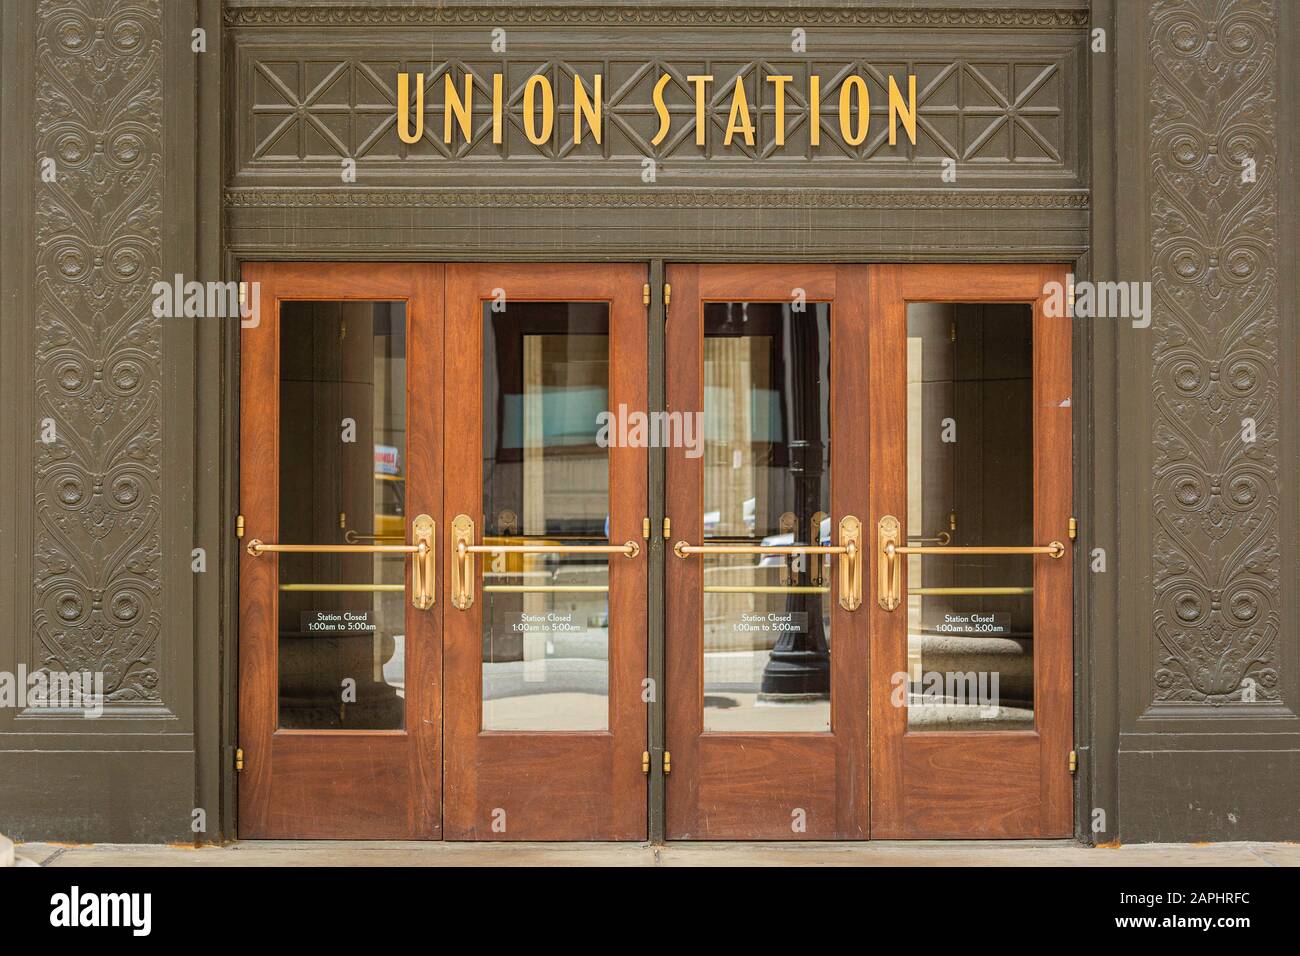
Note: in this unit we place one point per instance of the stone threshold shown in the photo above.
(882, 853)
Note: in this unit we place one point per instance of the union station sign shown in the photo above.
(538, 107)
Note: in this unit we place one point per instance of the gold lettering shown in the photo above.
(897, 109)
(582, 107)
(662, 109)
(739, 107)
(815, 109)
(404, 107)
(496, 108)
(535, 82)
(454, 104)
(779, 81)
(846, 110)
(700, 82)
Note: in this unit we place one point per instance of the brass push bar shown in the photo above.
(422, 572)
(889, 585)
(366, 588)
(258, 548)
(547, 588)
(850, 570)
(464, 549)
(763, 589)
(682, 549)
(971, 592)
(631, 549)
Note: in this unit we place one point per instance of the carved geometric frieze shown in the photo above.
(98, 350)
(998, 91)
(1214, 213)
(986, 110)
(717, 198)
(241, 13)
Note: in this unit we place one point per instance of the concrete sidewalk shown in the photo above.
(951, 853)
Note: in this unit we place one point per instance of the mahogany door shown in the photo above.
(767, 638)
(971, 602)
(544, 599)
(340, 488)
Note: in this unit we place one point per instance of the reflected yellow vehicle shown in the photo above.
(390, 516)
(390, 513)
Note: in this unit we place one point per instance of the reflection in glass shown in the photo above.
(970, 483)
(545, 481)
(766, 481)
(342, 481)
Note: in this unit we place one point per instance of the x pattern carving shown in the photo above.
(1007, 111)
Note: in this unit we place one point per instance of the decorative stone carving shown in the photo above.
(698, 198)
(98, 354)
(305, 14)
(1214, 96)
(1003, 111)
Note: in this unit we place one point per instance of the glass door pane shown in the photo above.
(767, 482)
(545, 483)
(342, 481)
(970, 482)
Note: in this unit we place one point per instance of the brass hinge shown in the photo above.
(645, 529)
(668, 295)
(243, 293)
(239, 526)
(645, 761)
(239, 759)
(1074, 528)
(668, 527)
(1074, 761)
(645, 294)
(668, 762)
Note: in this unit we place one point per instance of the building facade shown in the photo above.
(650, 421)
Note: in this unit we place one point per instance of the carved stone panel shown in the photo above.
(997, 91)
(984, 110)
(98, 354)
(1213, 138)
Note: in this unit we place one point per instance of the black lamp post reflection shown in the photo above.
(798, 667)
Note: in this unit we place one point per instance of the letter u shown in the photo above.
(404, 107)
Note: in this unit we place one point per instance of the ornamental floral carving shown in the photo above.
(1212, 136)
(98, 348)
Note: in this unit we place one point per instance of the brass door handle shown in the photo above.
(850, 568)
(889, 583)
(422, 572)
(463, 551)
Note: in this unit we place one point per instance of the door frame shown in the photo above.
(613, 804)
(239, 262)
(411, 756)
(823, 774)
(917, 779)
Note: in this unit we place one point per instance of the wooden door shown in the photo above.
(766, 642)
(340, 477)
(546, 624)
(970, 648)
